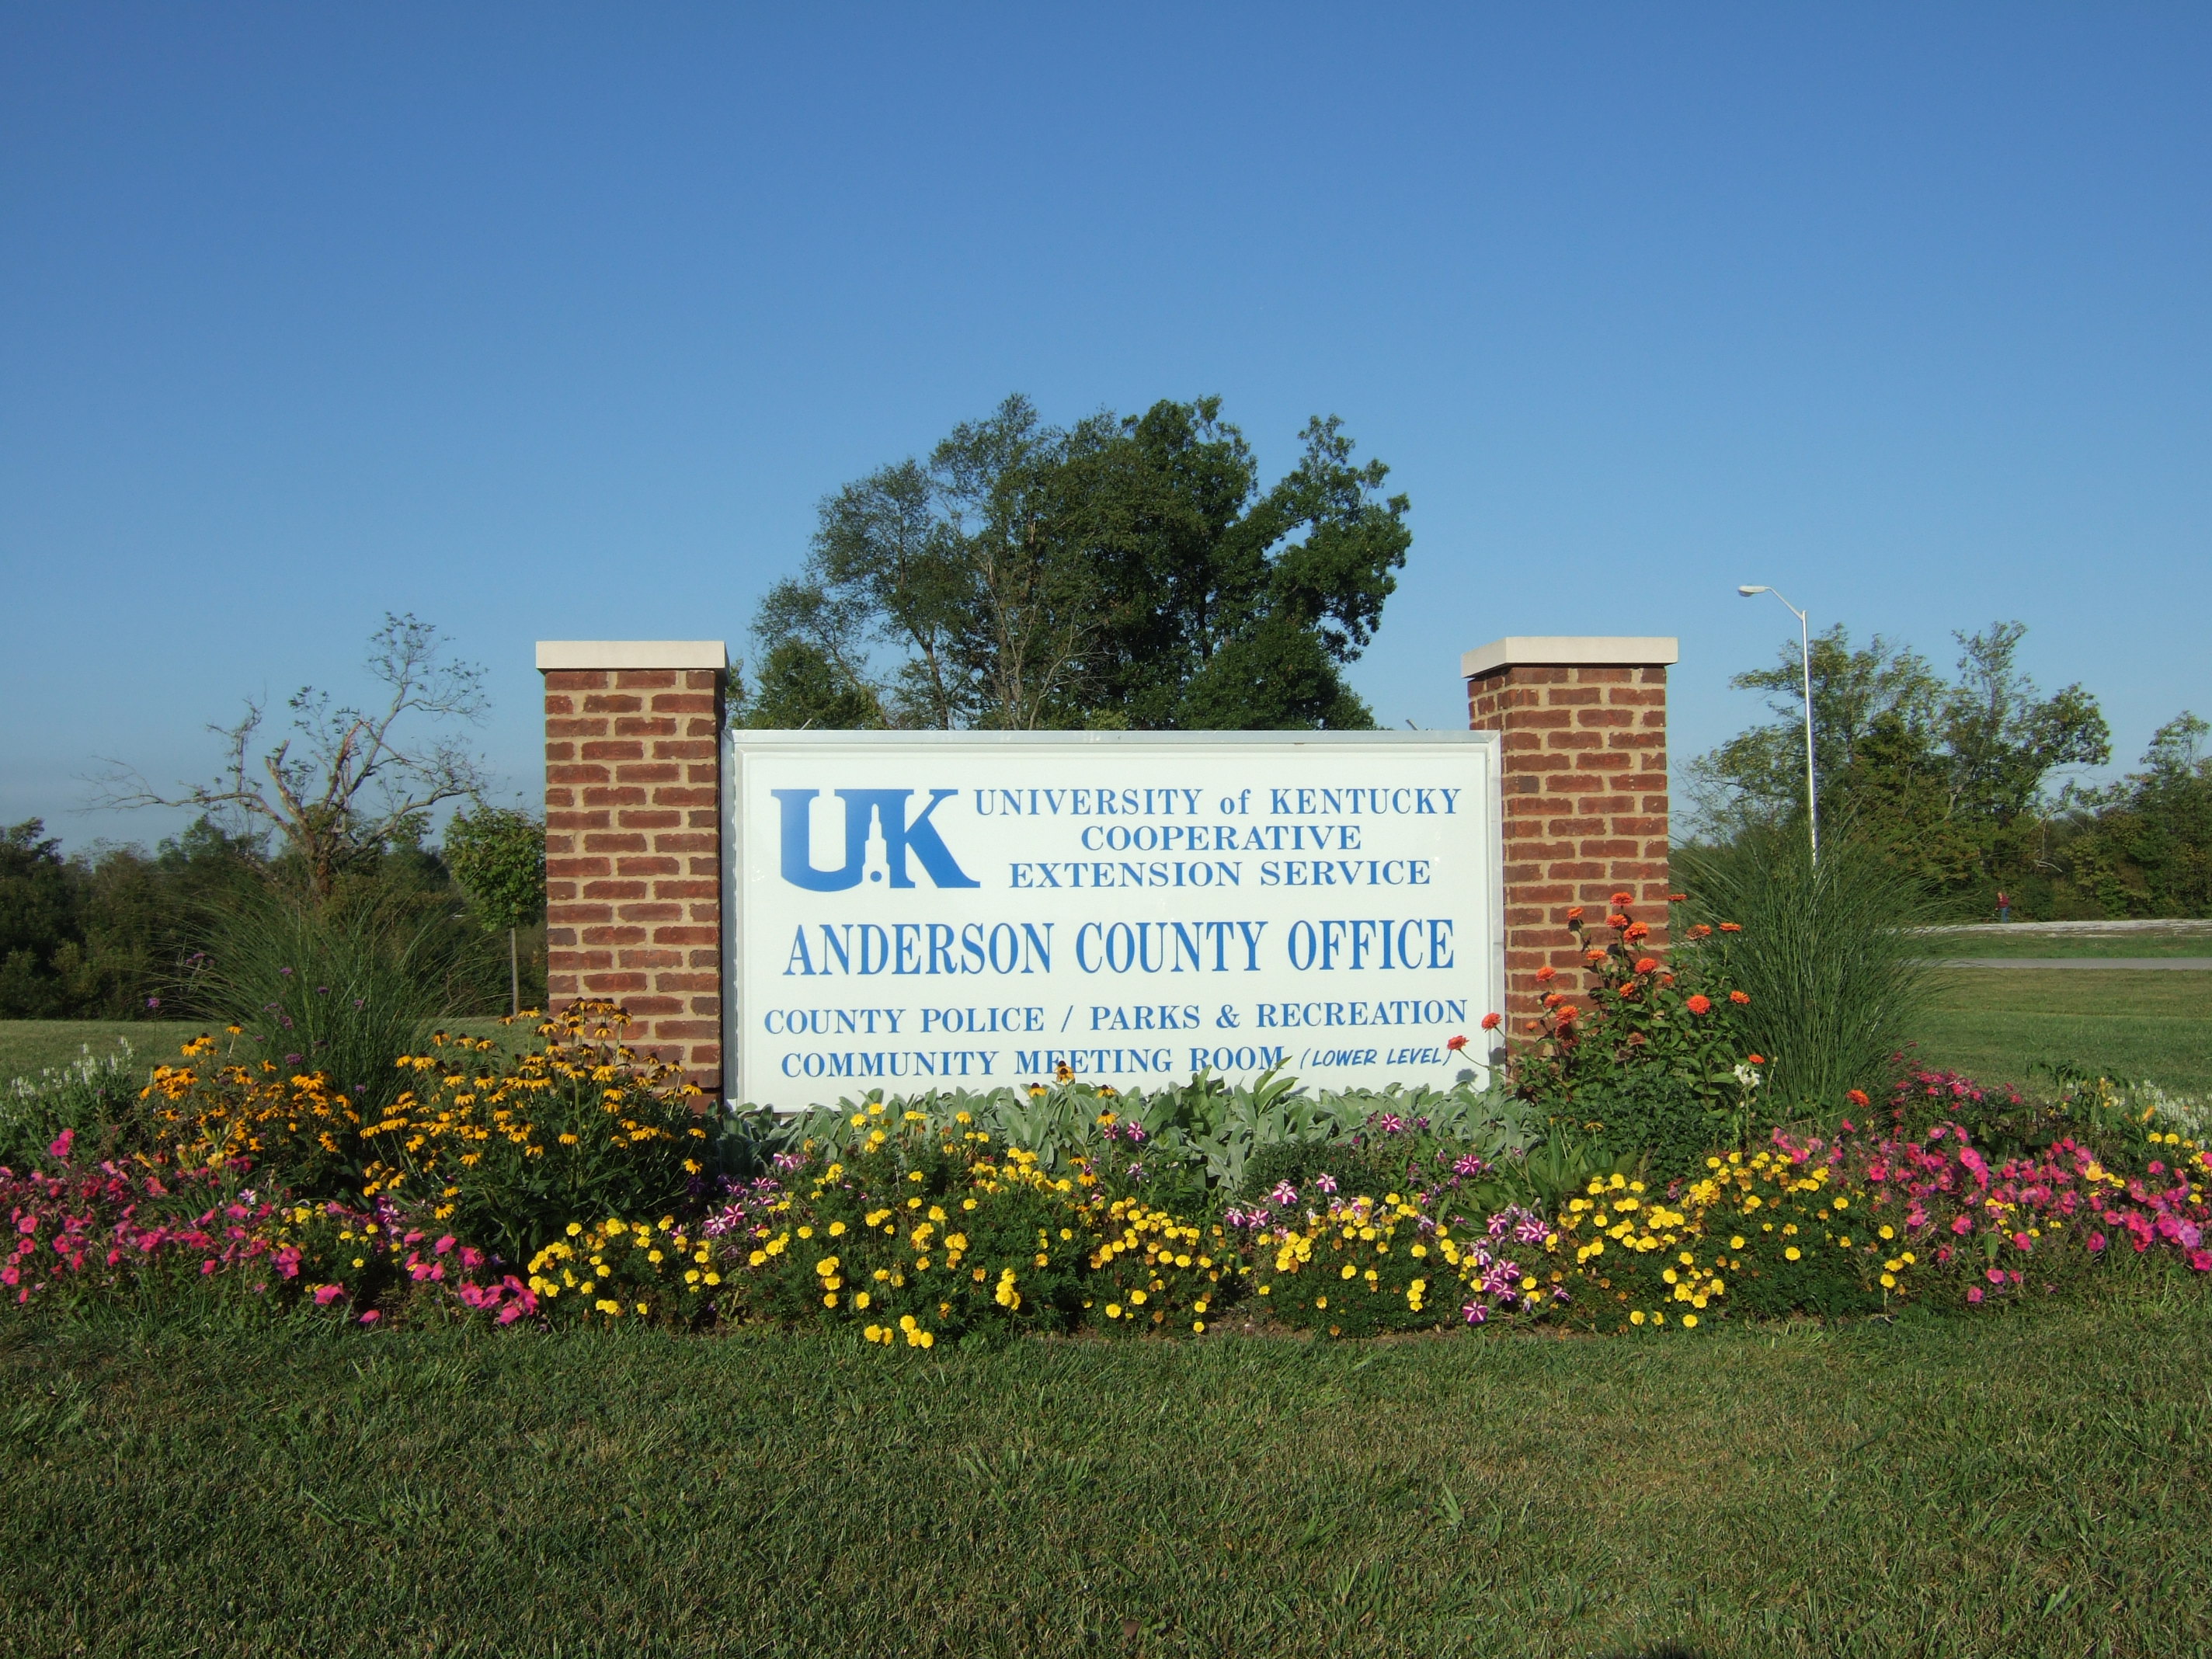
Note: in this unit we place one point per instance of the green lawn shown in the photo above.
(2000, 1485)
(1997, 1024)
(2020, 941)
(29, 1046)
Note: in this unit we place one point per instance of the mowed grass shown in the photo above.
(2020, 942)
(2037, 1482)
(1999, 1024)
(29, 1046)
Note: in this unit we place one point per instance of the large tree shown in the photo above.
(1123, 571)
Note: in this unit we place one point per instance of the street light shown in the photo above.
(1805, 651)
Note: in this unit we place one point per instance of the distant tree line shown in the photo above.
(118, 933)
(316, 831)
(1961, 781)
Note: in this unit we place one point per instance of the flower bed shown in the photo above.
(576, 1183)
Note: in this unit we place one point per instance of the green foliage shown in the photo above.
(1835, 979)
(38, 915)
(2142, 847)
(1119, 573)
(800, 687)
(1948, 778)
(498, 855)
(1657, 1069)
(1190, 1147)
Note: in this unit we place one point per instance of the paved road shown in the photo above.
(2185, 964)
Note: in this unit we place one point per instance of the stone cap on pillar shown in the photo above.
(1566, 651)
(555, 654)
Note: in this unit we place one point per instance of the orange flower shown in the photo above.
(1739, 996)
(1616, 921)
(1699, 1005)
(1756, 1059)
(1731, 927)
(1575, 913)
(1567, 1012)
(1638, 930)
(1491, 1022)
(1534, 1025)
(1677, 899)
(1595, 956)
(1857, 1097)
(1547, 972)
(1453, 1045)
(1645, 964)
(1620, 899)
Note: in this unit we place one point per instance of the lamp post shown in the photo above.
(1805, 657)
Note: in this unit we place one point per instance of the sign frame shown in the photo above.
(742, 744)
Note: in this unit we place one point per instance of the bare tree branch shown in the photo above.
(344, 783)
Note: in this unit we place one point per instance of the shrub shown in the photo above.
(920, 1230)
(1359, 1266)
(509, 1149)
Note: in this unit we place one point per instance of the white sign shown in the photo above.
(967, 910)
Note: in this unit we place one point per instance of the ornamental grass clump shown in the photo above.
(1828, 953)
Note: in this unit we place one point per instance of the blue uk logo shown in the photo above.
(902, 835)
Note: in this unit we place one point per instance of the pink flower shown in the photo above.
(1974, 1294)
(326, 1294)
(2096, 1242)
(2201, 1259)
(444, 1245)
(1995, 1275)
(59, 1146)
(2019, 1241)
(370, 1317)
(1962, 1224)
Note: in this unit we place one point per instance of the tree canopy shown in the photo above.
(1952, 777)
(1125, 571)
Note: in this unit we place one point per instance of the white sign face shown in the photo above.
(917, 911)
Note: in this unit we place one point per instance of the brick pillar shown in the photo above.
(634, 838)
(1584, 784)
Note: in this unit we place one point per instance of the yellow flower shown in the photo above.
(1689, 1322)
(1636, 1318)
(1791, 1254)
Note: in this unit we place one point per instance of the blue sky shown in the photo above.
(553, 321)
